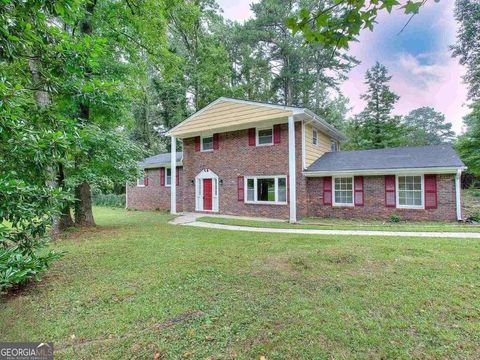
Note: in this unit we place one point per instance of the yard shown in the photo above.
(137, 286)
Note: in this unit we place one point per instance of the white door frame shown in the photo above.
(206, 174)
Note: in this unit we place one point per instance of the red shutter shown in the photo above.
(177, 176)
(162, 176)
(197, 143)
(277, 134)
(145, 178)
(240, 188)
(251, 137)
(359, 192)
(390, 200)
(327, 190)
(216, 142)
(430, 191)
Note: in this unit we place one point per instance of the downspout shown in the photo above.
(458, 191)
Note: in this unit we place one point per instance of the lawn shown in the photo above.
(136, 286)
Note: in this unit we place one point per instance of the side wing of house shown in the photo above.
(316, 143)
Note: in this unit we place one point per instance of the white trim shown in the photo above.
(458, 192)
(255, 194)
(201, 143)
(173, 176)
(334, 203)
(207, 174)
(292, 171)
(257, 129)
(397, 193)
(160, 165)
(407, 171)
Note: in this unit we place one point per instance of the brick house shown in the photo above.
(257, 159)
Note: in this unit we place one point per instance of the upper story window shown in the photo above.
(266, 189)
(207, 143)
(343, 187)
(265, 136)
(168, 177)
(410, 191)
(334, 146)
(315, 137)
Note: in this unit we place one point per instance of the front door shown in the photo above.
(207, 194)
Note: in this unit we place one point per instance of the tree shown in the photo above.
(467, 49)
(337, 23)
(375, 127)
(425, 126)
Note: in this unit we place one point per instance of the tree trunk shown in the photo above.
(65, 220)
(83, 205)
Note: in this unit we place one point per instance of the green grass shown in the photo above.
(340, 224)
(137, 285)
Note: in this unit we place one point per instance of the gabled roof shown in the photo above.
(434, 157)
(227, 114)
(160, 160)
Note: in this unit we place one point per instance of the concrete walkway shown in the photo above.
(190, 220)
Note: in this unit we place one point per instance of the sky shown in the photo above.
(419, 60)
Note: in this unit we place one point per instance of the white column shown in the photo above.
(292, 169)
(458, 194)
(173, 172)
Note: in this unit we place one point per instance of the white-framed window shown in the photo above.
(141, 180)
(315, 137)
(334, 146)
(206, 143)
(265, 136)
(168, 177)
(410, 191)
(343, 191)
(266, 189)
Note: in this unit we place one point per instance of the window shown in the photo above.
(168, 177)
(315, 137)
(343, 187)
(265, 136)
(410, 191)
(266, 189)
(141, 179)
(334, 146)
(207, 143)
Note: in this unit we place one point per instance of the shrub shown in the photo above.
(16, 267)
(112, 200)
(394, 218)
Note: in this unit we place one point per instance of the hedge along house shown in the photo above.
(257, 159)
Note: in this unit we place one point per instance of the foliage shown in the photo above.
(338, 22)
(111, 200)
(467, 50)
(375, 127)
(394, 218)
(425, 126)
(17, 268)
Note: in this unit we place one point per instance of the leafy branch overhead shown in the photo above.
(338, 22)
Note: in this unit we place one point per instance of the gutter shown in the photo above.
(372, 172)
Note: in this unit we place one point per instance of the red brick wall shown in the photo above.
(374, 190)
(153, 196)
(236, 158)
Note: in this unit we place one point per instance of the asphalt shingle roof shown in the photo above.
(160, 159)
(391, 158)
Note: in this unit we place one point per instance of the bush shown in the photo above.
(394, 218)
(112, 200)
(16, 267)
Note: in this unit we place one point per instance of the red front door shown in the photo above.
(207, 194)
